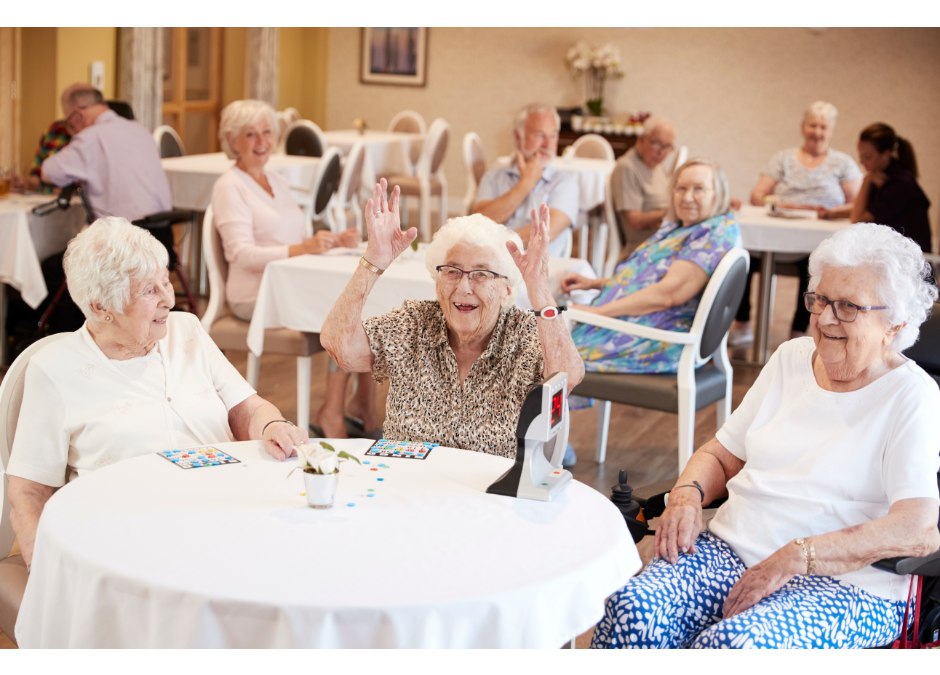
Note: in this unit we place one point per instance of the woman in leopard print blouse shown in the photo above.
(460, 366)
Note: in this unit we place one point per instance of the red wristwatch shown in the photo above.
(550, 312)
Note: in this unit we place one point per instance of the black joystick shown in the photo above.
(622, 497)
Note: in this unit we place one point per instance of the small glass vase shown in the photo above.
(321, 489)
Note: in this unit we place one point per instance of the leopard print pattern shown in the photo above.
(427, 403)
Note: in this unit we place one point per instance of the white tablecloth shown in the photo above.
(27, 239)
(761, 232)
(298, 293)
(591, 174)
(192, 177)
(387, 152)
(143, 554)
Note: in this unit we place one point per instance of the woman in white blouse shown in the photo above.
(134, 379)
(830, 464)
(259, 222)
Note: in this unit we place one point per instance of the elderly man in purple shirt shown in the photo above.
(115, 159)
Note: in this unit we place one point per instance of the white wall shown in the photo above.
(736, 95)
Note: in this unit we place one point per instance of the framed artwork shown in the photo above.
(394, 56)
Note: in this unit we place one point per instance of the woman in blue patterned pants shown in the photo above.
(829, 463)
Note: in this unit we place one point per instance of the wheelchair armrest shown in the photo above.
(654, 505)
(164, 219)
(925, 566)
(671, 336)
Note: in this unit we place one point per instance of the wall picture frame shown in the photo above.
(396, 56)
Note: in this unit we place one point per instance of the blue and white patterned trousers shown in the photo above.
(673, 606)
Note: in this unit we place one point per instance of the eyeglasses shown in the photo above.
(453, 275)
(843, 310)
(698, 191)
(659, 147)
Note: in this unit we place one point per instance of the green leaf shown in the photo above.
(414, 244)
(328, 446)
(345, 455)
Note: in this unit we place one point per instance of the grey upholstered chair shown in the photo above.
(13, 574)
(704, 375)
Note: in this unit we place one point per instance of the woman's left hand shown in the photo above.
(764, 578)
(279, 440)
(350, 238)
(534, 262)
(878, 178)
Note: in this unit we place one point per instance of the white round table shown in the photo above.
(144, 554)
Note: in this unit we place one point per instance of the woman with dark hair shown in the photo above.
(890, 194)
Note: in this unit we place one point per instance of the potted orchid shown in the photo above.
(597, 64)
(320, 463)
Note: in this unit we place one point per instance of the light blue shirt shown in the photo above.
(557, 189)
(821, 186)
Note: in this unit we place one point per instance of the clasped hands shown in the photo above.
(680, 525)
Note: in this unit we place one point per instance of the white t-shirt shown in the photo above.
(819, 461)
(81, 411)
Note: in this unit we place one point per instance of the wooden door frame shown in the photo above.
(213, 105)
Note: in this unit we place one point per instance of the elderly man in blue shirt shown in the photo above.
(508, 195)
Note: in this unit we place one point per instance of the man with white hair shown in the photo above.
(508, 195)
(641, 182)
(115, 159)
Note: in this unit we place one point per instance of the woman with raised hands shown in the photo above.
(460, 366)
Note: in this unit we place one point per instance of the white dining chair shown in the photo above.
(168, 142)
(231, 333)
(474, 161)
(681, 156)
(704, 374)
(13, 574)
(593, 146)
(347, 195)
(428, 179)
(303, 138)
(410, 122)
(316, 199)
(292, 114)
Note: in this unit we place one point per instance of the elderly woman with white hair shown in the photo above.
(830, 464)
(259, 222)
(460, 366)
(814, 177)
(661, 283)
(135, 379)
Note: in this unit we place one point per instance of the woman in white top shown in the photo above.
(259, 221)
(135, 379)
(830, 464)
(813, 177)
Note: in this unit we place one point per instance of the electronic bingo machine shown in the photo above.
(541, 439)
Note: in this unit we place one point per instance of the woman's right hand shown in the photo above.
(386, 240)
(576, 282)
(679, 526)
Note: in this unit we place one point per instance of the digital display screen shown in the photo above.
(556, 407)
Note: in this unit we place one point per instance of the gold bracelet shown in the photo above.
(808, 557)
(369, 266)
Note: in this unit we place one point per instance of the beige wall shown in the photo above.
(736, 95)
(234, 75)
(76, 48)
(38, 88)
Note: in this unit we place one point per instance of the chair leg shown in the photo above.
(424, 210)
(182, 277)
(603, 422)
(254, 367)
(303, 392)
(440, 177)
(403, 207)
(686, 377)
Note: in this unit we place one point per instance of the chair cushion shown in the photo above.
(13, 577)
(230, 333)
(410, 186)
(655, 392)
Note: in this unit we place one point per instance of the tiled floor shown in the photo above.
(643, 442)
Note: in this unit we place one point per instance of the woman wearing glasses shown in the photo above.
(661, 283)
(830, 464)
(460, 366)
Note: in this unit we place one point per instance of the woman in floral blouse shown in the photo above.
(661, 283)
(460, 366)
